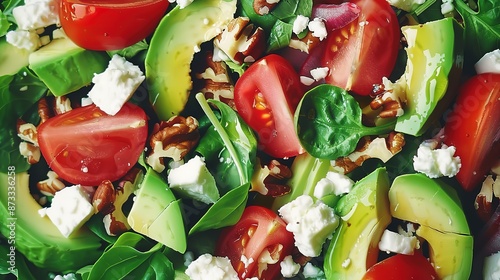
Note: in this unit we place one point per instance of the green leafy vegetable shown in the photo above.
(328, 122)
(280, 35)
(4, 24)
(482, 28)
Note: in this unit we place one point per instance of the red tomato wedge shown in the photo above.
(402, 267)
(86, 146)
(110, 24)
(473, 127)
(361, 53)
(266, 96)
(259, 232)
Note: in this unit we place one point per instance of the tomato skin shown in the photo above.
(402, 267)
(109, 24)
(368, 53)
(473, 127)
(266, 96)
(86, 146)
(268, 230)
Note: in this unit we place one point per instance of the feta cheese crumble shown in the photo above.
(318, 28)
(398, 243)
(491, 267)
(310, 222)
(207, 266)
(489, 63)
(69, 210)
(36, 14)
(113, 87)
(24, 39)
(289, 268)
(436, 163)
(447, 7)
(334, 183)
(300, 24)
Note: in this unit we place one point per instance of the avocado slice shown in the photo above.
(435, 57)
(157, 214)
(65, 67)
(170, 53)
(365, 215)
(36, 237)
(436, 207)
(12, 59)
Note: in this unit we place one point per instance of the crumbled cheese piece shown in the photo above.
(312, 272)
(397, 243)
(207, 266)
(36, 14)
(406, 5)
(447, 7)
(289, 268)
(334, 183)
(86, 101)
(182, 3)
(310, 222)
(24, 39)
(489, 63)
(318, 28)
(69, 210)
(300, 24)
(113, 87)
(306, 80)
(69, 276)
(319, 73)
(491, 267)
(436, 163)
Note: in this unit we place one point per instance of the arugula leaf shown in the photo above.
(482, 28)
(18, 94)
(328, 121)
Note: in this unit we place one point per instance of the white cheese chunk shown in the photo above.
(397, 243)
(207, 266)
(318, 28)
(289, 268)
(24, 39)
(36, 14)
(436, 163)
(116, 85)
(310, 222)
(69, 210)
(319, 73)
(300, 24)
(491, 267)
(334, 183)
(489, 63)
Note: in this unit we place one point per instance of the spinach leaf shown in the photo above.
(280, 35)
(18, 94)
(225, 212)
(482, 28)
(4, 24)
(134, 256)
(7, 6)
(328, 122)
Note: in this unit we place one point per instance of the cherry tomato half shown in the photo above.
(266, 96)
(110, 24)
(86, 146)
(474, 128)
(259, 232)
(402, 267)
(360, 54)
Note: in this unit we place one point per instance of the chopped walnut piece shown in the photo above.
(305, 44)
(172, 139)
(270, 179)
(241, 41)
(62, 104)
(484, 199)
(104, 198)
(50, 185)
(263, 7)
(381, 148)
(388, 96)
(27, 132)
(30, 152)
(44, 111)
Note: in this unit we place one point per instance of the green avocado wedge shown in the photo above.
(364, 216)
(168, 61)
(36, 237)
(434, 65)
(436, 208)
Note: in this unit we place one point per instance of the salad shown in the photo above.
(224, 139)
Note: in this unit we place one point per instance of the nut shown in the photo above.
(388, 96)
(104, 197)
(44, 110)
(305, 44)
(241, 41)
(27, 132)
(62, 104)
(30, 152)
(263, 7)
(51, 185)
(270, 180)
(172, 139)
(484, 199)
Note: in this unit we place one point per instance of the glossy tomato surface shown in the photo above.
(86, 146)
(402, 267)
(473, 127)
(110, 24)
(266, 96)
(361, 53)
(258, 232)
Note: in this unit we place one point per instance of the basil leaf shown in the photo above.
(328, 122)
(482, 28)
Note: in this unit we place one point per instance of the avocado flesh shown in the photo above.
(157, 214)
(436, 207)
(435, 56)
(65, 67)
(365, 215)
(170, 53)
(38, 239)
(12, 59)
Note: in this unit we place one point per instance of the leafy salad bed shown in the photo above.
(273, 109)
